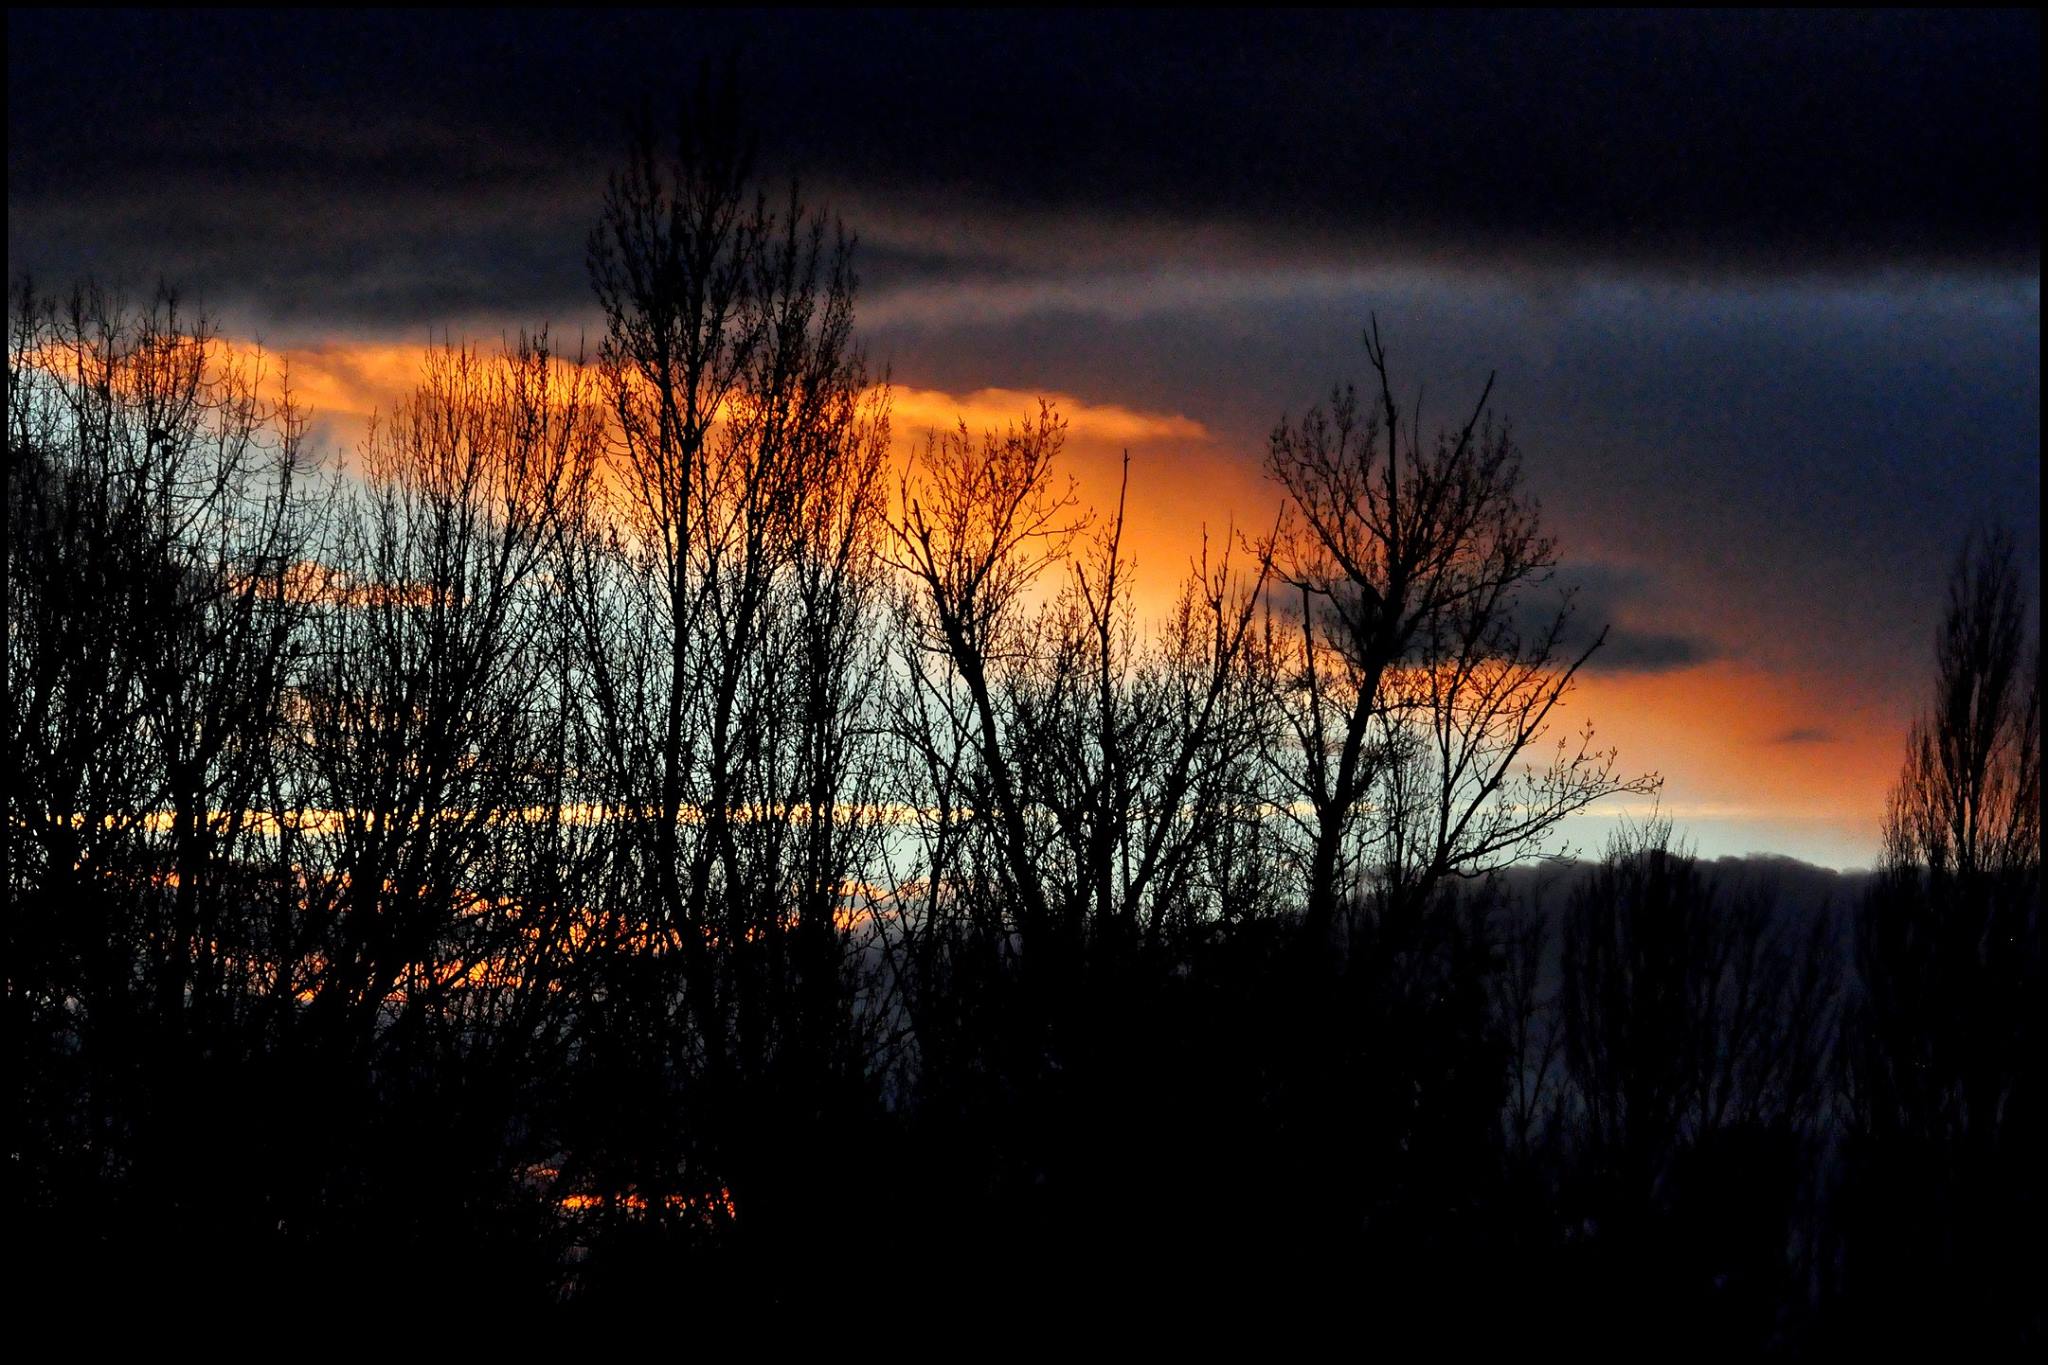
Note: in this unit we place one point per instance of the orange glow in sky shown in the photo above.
(1753, 759)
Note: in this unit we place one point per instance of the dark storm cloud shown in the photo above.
(1620, 602)
(313, 259)
(1669, 141)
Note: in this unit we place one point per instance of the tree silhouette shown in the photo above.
(1408, 679)
(158, 516)
(1695, 1021)
(727, 592)
(1968, 801)
(1944, 1046)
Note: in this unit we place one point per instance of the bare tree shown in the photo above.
(727, 593)
(1116, 757)
(981, 523)
(1949, 947)
(1968, 801)
(1413, 695)
(1685, 1010)
(422, 722)
(1942, 1042)
(157, 516)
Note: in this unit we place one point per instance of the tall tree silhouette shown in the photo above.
(726, 601)
(1944, 1050)
(424, 797)
(158, 516)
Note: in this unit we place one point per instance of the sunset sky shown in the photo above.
(1762, 291)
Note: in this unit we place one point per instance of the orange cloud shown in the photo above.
(353, 379)
(918, 410)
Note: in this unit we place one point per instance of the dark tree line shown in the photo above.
(617, 839)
